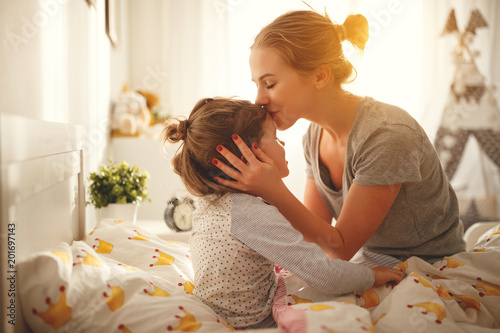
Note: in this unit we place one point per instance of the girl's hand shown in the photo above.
(384, 274)
(256, 172)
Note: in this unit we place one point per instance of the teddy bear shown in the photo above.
(130, 115)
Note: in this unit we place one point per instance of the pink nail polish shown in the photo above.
(214, 161)
(219, 148)
(235, 136)
(255, 145)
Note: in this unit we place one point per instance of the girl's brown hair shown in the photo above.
(307, 40)
(212, 122)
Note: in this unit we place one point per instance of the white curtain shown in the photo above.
(198, 45)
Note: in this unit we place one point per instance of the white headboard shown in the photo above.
(42, 198)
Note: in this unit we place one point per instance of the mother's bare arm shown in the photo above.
(315, 203)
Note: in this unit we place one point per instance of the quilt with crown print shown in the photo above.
(460, 293)
(121, 278)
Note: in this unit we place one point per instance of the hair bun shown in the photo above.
(356, 30)
(175, 130)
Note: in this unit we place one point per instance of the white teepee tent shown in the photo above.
(471, 113)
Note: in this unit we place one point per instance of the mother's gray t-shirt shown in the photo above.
(387, 146)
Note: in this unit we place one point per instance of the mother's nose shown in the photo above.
(262, 98)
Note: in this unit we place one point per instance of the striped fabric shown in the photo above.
(372, 259)
(289, 319)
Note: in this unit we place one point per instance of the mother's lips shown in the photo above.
(273, 113)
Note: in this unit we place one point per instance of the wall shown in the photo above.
(148, 24)
(178, 50)
(56, 65)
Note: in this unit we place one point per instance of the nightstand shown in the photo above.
(159, 228)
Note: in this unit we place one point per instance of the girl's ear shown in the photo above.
(322, 77)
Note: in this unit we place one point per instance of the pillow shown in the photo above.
(83, 288)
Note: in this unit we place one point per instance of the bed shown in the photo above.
(59, 275)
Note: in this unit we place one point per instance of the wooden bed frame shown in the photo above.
(42, 198)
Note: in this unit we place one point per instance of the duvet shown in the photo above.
(121, 278)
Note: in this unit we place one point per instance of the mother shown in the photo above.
(370, 166)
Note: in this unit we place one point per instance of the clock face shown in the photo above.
(179, 214)
(183, 216)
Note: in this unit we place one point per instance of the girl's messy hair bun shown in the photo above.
(175, 130)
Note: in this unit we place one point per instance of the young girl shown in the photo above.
(237, 238)
(370, 166)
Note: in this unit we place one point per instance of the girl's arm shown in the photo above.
(363, 211)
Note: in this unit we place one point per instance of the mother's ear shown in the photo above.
(322, 77)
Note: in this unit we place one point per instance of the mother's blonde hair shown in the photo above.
(212, 122)
(307, 40)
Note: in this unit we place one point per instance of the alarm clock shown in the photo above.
(179, 214)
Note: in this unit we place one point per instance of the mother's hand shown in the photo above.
(256, 173)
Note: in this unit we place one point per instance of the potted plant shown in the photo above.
(117, 190)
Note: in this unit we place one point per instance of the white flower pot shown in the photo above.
(126, 212)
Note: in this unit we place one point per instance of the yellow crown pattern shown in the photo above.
(452, 263)
(435, 308)
(403, 266)
(103, 247)
(188, 323)
(421, 280)
(163, 259)
(63, 255)
(58, 313)
(88, 260)
(370, 297)
(188, 287)
(443, 293)
(489, 289)
(298, 300)
(157, 292)
(115, 299)
(139, 236)
(467, 302)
